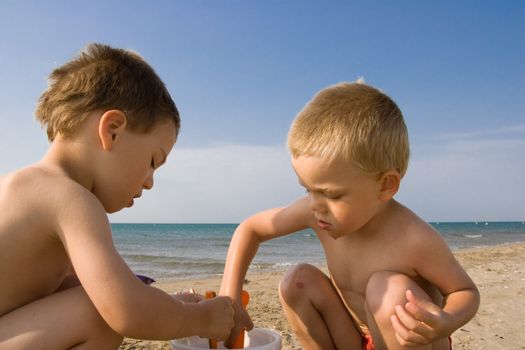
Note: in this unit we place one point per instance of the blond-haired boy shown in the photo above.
(111, 123)
(393, 283)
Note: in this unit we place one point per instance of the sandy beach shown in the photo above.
(498, 272)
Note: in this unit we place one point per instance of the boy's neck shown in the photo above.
(381, 218)
(70, 158)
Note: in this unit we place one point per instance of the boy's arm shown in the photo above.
(437, 265)
(245, 243)
(130, 307)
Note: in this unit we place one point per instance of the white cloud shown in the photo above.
(468, 179)
(504, 131)
(465, 179)
(220, 184)
(462, 177)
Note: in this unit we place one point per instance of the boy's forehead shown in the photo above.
(163, 135)
(166, 129)
(314, 169)
(323, 164)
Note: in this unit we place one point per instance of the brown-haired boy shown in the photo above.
(111, 123)
(393, 282)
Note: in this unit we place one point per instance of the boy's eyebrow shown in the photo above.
(322, 189)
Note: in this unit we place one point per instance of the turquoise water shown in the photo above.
(199, 250)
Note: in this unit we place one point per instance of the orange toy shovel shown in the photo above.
(239, 342)
(212, 343)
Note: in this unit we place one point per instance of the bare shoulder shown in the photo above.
(432, 258)
(416, 230)
(423, 248)
(42, 193)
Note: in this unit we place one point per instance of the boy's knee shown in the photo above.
(295, 281)
(385, 290)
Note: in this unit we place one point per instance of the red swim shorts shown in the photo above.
(368, 344)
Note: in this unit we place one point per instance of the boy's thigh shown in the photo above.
(384, 291)
(305, 284)
(59, 321)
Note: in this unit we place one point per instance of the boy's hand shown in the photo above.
(219, 311)
(419, 322)
(242, 322)
(188, 297)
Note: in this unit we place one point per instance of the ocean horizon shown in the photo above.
(187, 251)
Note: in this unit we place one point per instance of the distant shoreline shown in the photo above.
(189, 251)
(276, 270)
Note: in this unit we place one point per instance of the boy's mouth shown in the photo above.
(132, 201)
(323, 224)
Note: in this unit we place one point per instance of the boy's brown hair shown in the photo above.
(103, 78)
(356, 122)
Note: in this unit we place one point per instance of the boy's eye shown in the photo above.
(333, 196)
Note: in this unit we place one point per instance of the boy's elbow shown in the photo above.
(120, 320)
(247, 229)
(472, 302)
(130, 327)
(123, 318)
(477, 299)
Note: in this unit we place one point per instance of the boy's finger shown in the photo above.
(404, 335)
(233, 336)
(422, 303)
(198, 297)
(421, 308)
(249, 325)
(405, 342)
(423, 315)
(405, 318)
(413, 325)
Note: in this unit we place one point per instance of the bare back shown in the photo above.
(33, 261)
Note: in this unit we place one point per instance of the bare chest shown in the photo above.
(352, 265)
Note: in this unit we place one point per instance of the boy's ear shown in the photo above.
(389, 184)
(111, 126)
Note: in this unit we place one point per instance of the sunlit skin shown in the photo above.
(61, 268)
(393, 270)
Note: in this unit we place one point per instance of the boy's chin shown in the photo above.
(334, 235)
(111, 210)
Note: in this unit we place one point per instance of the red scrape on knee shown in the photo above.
(299, 285)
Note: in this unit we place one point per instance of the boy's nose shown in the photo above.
(316, 203)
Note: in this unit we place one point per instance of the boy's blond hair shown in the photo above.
(356, 122)
(103, 78)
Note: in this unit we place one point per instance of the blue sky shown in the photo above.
(239, 72)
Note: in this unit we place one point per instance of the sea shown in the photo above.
(192, 251)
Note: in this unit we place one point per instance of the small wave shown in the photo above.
(285, 264)
(263, 266)
(473, 236)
